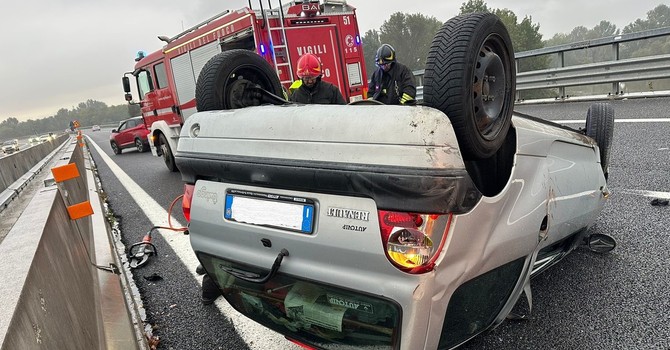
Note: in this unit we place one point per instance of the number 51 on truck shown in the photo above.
(166, 78)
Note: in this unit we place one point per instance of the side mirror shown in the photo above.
(129, 97)
(114, 131)
(126, 86)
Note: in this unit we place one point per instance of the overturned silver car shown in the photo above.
(387, 227)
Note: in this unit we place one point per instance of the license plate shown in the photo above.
(272, 210)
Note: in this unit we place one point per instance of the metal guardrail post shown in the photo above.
(615, 57)
(561, 62)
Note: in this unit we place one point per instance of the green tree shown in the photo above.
(659, 17)
(88, 113)
(371, 42)
(10, 122)
(409, 34)
(525, 35)
(473, 6)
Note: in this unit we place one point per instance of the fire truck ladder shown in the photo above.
(282, 48)
(195, 27)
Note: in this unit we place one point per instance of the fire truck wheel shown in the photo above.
(168, 157)
(478, 98)
(224, 81)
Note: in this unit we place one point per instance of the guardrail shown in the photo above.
(614, 71)
(19, 167)
(57, 291)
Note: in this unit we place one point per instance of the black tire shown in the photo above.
(168, 157)
(140, 145)
(465, 54)
(600, 127)
(115, 148)
(223, 80)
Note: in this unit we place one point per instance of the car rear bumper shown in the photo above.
(339, 270)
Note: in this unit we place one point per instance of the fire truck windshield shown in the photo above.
(144, 83)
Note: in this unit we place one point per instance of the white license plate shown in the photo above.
(265, 209)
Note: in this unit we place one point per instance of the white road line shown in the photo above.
(650, 194)
(255, 335)
(646, 120)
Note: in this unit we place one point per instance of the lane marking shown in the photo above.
(645, 120)
(253, 334)
(645, 193)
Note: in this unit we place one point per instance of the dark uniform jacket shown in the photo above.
(321, 93)
(389, 87)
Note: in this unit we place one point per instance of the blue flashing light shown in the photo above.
(358, 39)
(140, 55)
(262, 49)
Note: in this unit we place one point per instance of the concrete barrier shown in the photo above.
(18, 164)
(60, 287)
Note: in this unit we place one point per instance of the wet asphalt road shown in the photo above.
(588, 301)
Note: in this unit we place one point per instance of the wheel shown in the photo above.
(470, 76)
(600, 127)
(168, 157)
(115, 148)
(140, 145)
(225, 80)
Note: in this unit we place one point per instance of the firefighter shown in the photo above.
(310, 89)
(393, 83)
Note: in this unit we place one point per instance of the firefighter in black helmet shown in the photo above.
(392, 83)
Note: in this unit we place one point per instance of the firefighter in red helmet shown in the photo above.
(311, 88)
(393, 83)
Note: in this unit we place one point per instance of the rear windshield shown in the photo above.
(322, 315)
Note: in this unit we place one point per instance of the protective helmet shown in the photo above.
(385, 54)
(309, 66)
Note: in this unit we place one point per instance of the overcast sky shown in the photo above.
(57, 53)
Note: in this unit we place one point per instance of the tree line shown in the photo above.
(87, 113)
(411, 36)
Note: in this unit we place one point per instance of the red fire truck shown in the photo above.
(166, 78)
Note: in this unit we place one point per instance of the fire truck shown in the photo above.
(166, 79)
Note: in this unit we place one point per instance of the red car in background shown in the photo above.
(130, 133)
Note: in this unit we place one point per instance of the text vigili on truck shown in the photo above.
(166, 78)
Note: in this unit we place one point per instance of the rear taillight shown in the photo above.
(186, 201)
(412, 241)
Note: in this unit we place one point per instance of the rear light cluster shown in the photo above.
(412, 241)
(186, 201)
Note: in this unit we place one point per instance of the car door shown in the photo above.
(124, 137)
(138, 130)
